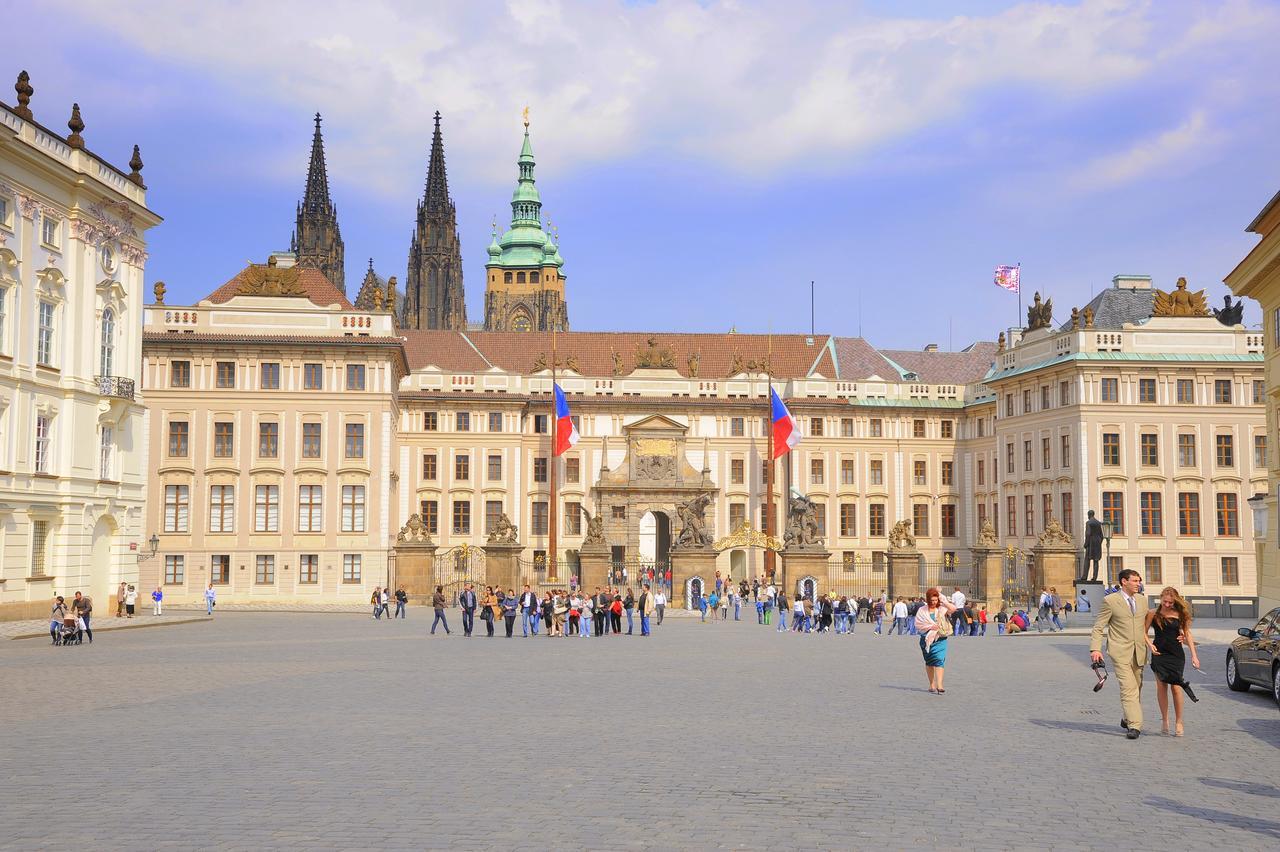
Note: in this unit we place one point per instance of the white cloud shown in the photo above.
(754, 88)
(1161, 152)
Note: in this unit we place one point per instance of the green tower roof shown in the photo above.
(524, 244)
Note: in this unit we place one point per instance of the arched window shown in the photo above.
(521, 322)
(519, 277)
(107, 350)
(534, 277)
(506, 277)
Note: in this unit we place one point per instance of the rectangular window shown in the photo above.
(1146, 390)
(224, 439)
(1008, 457)
(737, 427)
(848, 519)
(737, 514)
(1222, 391)
(948, 428)
(1259, 392)
(540, 517)
(222, 508)
(264, 570)
(492, 511)
(1008, 405)
(1228, 515)
(179, 374)
(429, 466)
(1186, 392)
(179, 438)
(920, 518)
(1046, 509)
(177, 508)
(351, 567)
(268, 440)
(269, 376)
(846, 427)
(430, 421)
(461, 517)
(540, 424)
(982, 515)
(462, 421)
(982, 471)
(917, 428)
(1230, 571)
(1044, 397)
(310, 508)
(877, 472)
(815, 427)
(49, 230)
(919, 472)
(430, 516)
(1260, 452)
(1111, 448)
(948, 520)
(540, 469)
(266, 508)
(219, 569)
(1226, 450)
(39, 548)
(877, 427)
(1191, 570)
(309, 568)
(462, 467)
(175, 570)
(1186, 450)
(848, 473)
(355, 377)
(1188, 513)
(1153, 569)
(1011, 514)
(736, 471)
(1113, 510)
(1110, 390)
(816, 472)
(494, 472)
(106, 446)
(573, 519)
(495, 421)
(1065, 452)
(875, 520)
(1151, 521)
(313, 376)
(820, 516)
(1064, 393)
(355, 440)
(1065, 502)
(1026, 455)
(1029, 511)
(311, 440)
(353, 508)
(618, 513)
(1149, 449)
(948, 472)
(1026, 401)
(1044, 453)
(225, 374)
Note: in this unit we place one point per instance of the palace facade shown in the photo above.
(73, 430)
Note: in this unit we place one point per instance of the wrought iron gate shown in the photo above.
(458, 566)
(1019, 580)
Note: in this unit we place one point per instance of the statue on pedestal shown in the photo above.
(504, 532)
(901, 537)
(802, 524)
(1093, 537)
(693, 522)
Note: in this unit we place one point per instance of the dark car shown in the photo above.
(1254, 658)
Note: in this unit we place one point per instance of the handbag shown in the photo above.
(944, 625)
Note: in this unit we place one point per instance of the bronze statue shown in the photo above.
(802, 524)
(1039, 315)
(1180, 303)
(693, 522)
(1230, 314)
(1093, 538)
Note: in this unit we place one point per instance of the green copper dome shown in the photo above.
(524, 244)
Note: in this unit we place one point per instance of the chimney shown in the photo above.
(1131, 282)
(931, 347)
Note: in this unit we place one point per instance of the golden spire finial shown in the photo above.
(525, 113)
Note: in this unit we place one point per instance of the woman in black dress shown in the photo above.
(1172, 624)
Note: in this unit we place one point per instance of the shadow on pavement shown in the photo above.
(1264, 729)
(1081, 727)
(1251, 787)
(1265, 827)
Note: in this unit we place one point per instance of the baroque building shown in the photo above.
(434, 296)
(524, 286)
(73, 472)
(317, 240)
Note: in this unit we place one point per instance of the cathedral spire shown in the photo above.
(433, 295)
(317, 240)
(316, 196)
(436, 195)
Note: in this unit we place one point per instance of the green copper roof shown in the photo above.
(1130, 357)
(524, 244)
(899, 402)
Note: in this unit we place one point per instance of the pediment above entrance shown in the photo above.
(655, 457)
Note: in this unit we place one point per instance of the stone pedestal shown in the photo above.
(595, 566)
(799, 563)
(988, 577)
(904, 573)
(1088, 599)
(416, 570)
(502, 567)
(687, 563)
(1055, 567)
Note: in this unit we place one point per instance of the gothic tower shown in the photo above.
(433, 295)
(524, 287)
(316, 239)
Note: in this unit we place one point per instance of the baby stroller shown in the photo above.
(68, 632)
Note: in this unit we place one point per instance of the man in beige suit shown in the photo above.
(1122, 617)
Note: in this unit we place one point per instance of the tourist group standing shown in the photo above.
(558, 612)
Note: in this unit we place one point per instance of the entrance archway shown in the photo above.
(655, 539)
(738, 564)
(103, 574)
(693, 593)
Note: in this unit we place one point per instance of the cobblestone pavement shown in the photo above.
(295, 730)
(100, 624)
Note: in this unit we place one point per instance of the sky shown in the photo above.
(702, 161)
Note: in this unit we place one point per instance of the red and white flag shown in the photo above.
(1009, 277)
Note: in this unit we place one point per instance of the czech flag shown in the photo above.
(566, 432)
(786, 432)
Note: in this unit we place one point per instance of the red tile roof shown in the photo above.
(859, 360)
(942, 368)
(319, 289)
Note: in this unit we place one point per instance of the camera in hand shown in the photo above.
(1100, 669)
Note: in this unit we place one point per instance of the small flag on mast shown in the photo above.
(566, 432)
(786, 432)
(1009, 277)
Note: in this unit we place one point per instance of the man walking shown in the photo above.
(210, 599)
(601, 606)
(528, 606)
(82, 608)
(401, 600)
(1122, 619)
(467, 600)
(645, 604)
(438, 604)
(660, 603)
(1044, 610)
(157, 600)
(899, 617)
(120, 599)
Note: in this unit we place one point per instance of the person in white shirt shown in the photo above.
(853, 614)
(660, 603)
(958, 598)
(899, 617)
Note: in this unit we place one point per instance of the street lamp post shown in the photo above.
(1107, 527)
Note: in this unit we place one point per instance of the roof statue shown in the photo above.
(1230, 314)
(1039, 315)
(1180, 303)
(1088, 316)
(1075, 319)
(269, 280)
(655, 355)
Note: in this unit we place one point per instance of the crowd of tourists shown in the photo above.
(557, 612)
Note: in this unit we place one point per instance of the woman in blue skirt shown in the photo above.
(934, 628)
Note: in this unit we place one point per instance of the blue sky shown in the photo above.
(703, 160)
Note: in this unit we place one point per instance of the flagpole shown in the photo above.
(1018, 324)
(770, 561)
(551, 467)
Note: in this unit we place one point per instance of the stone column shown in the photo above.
(688, 562)
(800, 562)
(988, 577)
(416, 570)
(502, 569)
(904, 572)
(594, 559)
